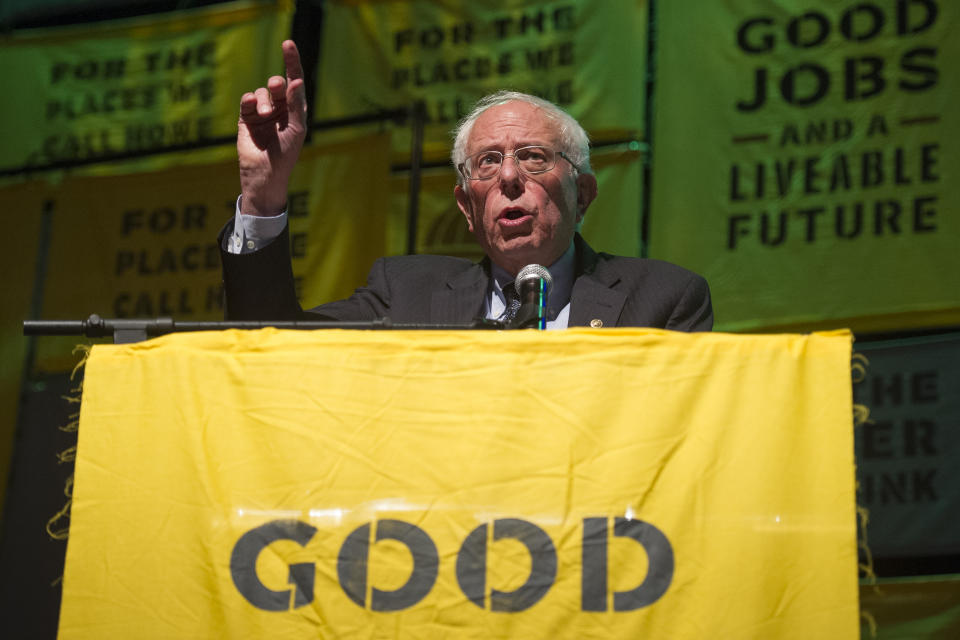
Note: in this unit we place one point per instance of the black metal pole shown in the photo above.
(126, 330)
(418, 117)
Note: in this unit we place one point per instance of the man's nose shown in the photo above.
(511, 178)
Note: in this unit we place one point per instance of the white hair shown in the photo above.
(573, 139)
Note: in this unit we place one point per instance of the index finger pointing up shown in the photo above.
(291, 60)
(295, 93)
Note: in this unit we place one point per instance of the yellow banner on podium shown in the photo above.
(575, 484)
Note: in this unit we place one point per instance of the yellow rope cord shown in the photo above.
(58, 526)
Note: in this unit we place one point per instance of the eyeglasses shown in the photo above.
(530, 160)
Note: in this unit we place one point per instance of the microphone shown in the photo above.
(533, 283)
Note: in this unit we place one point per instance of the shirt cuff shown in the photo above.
(251, 233)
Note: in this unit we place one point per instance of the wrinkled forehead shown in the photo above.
(513, 124)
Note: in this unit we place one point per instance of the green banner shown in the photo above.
(908, 453)
(137, 85)
(805, 161)
(589, 57)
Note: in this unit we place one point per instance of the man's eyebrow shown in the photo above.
(519, 145)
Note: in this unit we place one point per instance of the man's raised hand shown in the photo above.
(270, 134)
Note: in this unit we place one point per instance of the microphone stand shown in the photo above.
(532, 313)
(125, 331)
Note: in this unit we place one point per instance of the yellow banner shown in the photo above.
(587, 56)
(805, 160)
(578, 484)
(144, 245)
(911, 608)
(27, 202)
(137, 85)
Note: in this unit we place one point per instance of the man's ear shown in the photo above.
(586, 192)
(464, 204)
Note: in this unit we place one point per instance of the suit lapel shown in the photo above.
(461, 300)
(593, 297)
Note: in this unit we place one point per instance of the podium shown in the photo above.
(433, 484)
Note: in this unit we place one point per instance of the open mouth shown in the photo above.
(513, 214)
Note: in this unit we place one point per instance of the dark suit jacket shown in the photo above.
(617, 291)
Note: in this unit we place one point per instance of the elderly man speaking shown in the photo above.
(524, 184)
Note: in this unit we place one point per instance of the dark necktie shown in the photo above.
(512, 302)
